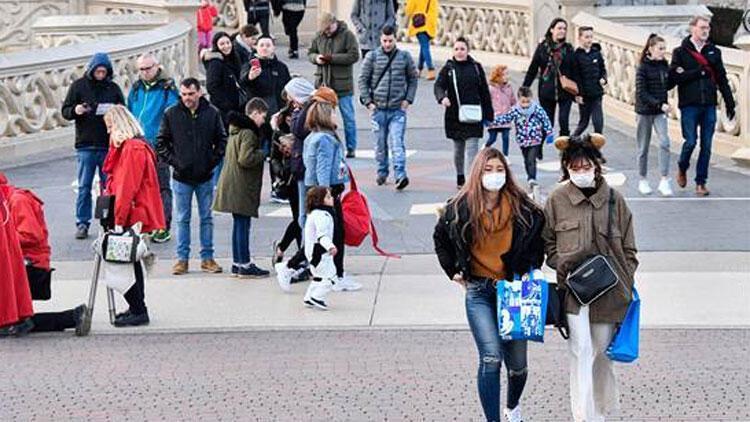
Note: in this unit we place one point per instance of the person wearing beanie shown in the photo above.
(299, 90)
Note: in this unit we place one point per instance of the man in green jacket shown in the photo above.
(335, 50)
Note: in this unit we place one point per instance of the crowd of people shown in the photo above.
(168, 142)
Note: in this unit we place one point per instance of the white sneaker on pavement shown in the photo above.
(284, 276)
(346, 284)
(513, 415)
(644, 188)
(665, 187)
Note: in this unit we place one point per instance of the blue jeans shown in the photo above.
(692, 117)
(390, 125)
(241, 226)
(346, 105)
(302, 192)
(505, 133)
(425, 56)
(183, 196)
(481, 310)
(216, 173)
(89, 159)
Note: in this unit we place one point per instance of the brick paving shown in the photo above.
(358, 375)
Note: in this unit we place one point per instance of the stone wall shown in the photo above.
(33, 87)
(17, 16)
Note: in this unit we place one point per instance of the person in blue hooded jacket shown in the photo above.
(150, 96)
(88, 98)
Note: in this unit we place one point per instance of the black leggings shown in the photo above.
(136, 295)
(530, 155)
(338, 229)
(564, 105)
(293, 232)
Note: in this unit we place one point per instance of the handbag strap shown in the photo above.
(387, 67)
(428, 8)
(455, 86)
(611, 214)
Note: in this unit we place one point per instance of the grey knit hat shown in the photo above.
(299, 89)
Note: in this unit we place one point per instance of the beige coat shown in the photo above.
(576, 229)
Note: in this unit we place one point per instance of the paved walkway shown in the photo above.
(351, 376)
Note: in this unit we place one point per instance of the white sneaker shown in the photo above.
(644, 188)
(346, 284)
(284, 276)
(665, 188)
(507, 159)
(513, 415)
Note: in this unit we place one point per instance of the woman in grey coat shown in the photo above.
(369, 17)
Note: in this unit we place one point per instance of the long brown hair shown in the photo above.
(653, 39)
(472, 193)
(320, 117)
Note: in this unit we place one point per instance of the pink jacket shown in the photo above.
(503, 99)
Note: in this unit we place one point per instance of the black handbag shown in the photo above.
(39, 282)
(105, 211)
(596, 275)
(556, 310)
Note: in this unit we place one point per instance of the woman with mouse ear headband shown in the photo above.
(577, 227)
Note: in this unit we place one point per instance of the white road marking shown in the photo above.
(284, 212)
(425, 209)
(615, 179)
(370, 153)
(551, 166)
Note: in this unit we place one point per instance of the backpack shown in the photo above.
(357, 218)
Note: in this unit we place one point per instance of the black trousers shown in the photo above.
(262, 18)
(136, 295)
(293, 232)
(530, 155)
(164, 173)
(590, 110)
(564, 116)
(53, 321)
(291, 21)
(338, 229)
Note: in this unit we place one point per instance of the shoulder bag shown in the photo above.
(467, 113)
(419, 20)
(120, 248)
(596, 275)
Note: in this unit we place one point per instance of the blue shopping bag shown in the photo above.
(624, 346)
(522, 307)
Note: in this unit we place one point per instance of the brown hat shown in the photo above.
(326, 95)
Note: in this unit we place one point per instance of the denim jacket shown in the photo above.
(324, 160)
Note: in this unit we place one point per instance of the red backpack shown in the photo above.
(357, 218)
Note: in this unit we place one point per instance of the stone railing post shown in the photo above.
(185, 10)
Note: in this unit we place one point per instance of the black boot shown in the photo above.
(460, 180)
(133, 319)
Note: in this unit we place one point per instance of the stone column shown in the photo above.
(185, 10)
(742, 155)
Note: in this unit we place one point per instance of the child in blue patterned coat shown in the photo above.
(532, 128)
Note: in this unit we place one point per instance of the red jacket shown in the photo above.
(205, 16)
(132, 179)
(28, 216)
(15, 294)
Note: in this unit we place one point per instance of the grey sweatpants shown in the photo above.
(464, 152)
(659, 123)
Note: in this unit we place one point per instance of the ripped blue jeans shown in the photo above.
(481, 311)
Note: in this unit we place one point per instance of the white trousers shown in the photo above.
(319, 290)
(593, 387)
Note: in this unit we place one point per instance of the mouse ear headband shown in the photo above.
(597, 140)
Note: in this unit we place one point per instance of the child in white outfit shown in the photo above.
(319, 248)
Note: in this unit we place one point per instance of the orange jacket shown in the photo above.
(132, 179)
(205, 16)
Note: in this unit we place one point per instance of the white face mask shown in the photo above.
(493, 181)
(584, 179)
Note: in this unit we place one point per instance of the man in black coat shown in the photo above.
(699, 71)
(266, 80)
(192, 140)
(87, 100)
(590, 74)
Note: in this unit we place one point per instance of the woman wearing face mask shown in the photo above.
(552, 58)
(577, 215)
(489, 231)
(462, 74)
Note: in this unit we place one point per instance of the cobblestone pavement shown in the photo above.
(362, 375)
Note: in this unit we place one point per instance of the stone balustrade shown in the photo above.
(125, 7)
(33, 86)
(16, 18)
(56, 31)
(621, 47)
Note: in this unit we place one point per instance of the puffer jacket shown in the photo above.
(695, 87)
(222, 82)
(343, 51)
(398, 83)
(532, 126)
(588, 69)
(652, 84)
(454, 249)
(369, 17)
(576, 229)
(324, 160)
(91, 132)
(148, 101)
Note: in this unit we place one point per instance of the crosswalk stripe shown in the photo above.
(369, 153)
(425, 209)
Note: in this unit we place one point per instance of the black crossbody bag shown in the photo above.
(596, 275)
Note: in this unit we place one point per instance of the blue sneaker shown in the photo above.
(252, 271)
